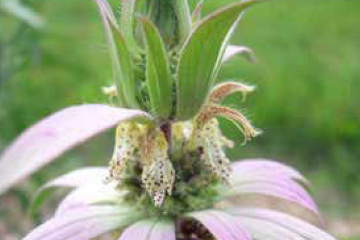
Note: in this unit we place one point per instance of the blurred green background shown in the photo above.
(307, 100)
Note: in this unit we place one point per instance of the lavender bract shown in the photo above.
(169, 176)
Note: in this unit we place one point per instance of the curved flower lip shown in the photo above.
(89, 176)
(268, 166)
(83, 223)
(90, 194)
(282, 221)
(49, 138)
(259, 176)
(276, 189)
(90, 188)
(78, 178)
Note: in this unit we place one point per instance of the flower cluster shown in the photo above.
(169, 176)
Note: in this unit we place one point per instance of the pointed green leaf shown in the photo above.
(196, 14)
(184, 18)
(201, 57)
(126, 78)
(127, 24)
(158, 75)
(120, 56)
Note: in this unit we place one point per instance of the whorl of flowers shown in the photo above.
(169, 177)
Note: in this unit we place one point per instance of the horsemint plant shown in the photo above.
(169, 177)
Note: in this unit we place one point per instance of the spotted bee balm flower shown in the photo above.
(169, 177)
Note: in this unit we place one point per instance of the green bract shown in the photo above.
(183, 14)
(121, 61)
(201, 57)
(168, 65)
(158, 76)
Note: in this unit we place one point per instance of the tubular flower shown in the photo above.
(127, 145)
(158, 174)
(169, 177)
(211, 144)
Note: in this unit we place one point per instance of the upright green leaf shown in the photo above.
(184, 18)
(126, 78)
(196, 14)
(127, 24)
(120, 56)
(158, 75)
(201, 57)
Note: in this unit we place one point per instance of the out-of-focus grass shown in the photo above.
(308, 79)
(308, 82)
(307, 97)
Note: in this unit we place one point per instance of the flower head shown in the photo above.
(94, 208)
(169, 176)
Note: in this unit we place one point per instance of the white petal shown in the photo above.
(284, 221)
(151, 229)
(82, 224)
(222, 225)
(49, 138)
(88, 195)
